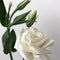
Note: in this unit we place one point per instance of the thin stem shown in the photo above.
(23, 58)
(11, 56)
(12, 14)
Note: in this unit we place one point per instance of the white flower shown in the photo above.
(31, 43)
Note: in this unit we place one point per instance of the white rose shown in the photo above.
(31, 43)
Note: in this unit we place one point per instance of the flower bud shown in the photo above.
(10, 5)
(31, 18)
(22, 4)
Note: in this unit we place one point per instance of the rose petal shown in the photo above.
(44, 57)
(27, 55)
(48, 43)
(17, 44)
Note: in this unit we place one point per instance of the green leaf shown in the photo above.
(2, 13)
(8, 41)
(20, 6)
(20, 19)
(2, 10)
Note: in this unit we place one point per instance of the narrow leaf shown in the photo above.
(20, 19)
(2, 13)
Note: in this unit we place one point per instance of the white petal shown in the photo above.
(27, 55)
(48, 43)
(45, 57)
(41, 41)
(17, 44)
(18, 41)
(38, 50)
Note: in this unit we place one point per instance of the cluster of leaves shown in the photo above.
(9, 37)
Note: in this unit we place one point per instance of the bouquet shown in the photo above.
(30, 42)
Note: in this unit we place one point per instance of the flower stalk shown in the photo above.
(23, 58)
(11, 56)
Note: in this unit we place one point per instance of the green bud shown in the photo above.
(22, 4)
(31, 18)
(10, 5)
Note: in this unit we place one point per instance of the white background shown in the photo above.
(48, 22)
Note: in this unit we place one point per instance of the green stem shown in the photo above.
(23, 58)
(12, 14)
(11, 56)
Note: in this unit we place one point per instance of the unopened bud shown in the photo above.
(22, 4)
(10, 4)
(31, 18)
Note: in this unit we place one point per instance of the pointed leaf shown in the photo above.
(2, 13)
(2, 10)
(20, 19)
